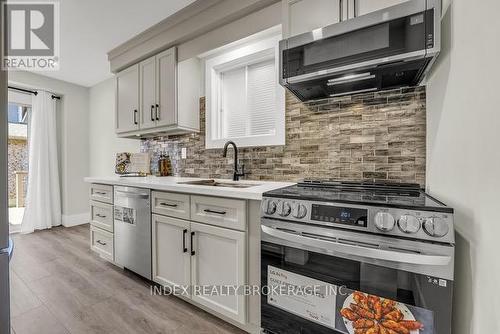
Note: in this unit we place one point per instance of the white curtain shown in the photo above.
(43, 201)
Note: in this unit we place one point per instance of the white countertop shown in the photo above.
(171, 183)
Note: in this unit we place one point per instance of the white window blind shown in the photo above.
(245, 102)
(249, 100)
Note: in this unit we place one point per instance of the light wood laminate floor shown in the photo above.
(59, 286)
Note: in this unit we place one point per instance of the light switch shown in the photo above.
(183, 153)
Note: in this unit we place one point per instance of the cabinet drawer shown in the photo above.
(101, 193)
(101, 215)
(224, 212)
(102, 242)
(170, 204)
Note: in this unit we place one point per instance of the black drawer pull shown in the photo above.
(192, 243)
(101, 193)
(214, 211)
(101, 243)
(168, 204)
(100, 216)
(184, 248)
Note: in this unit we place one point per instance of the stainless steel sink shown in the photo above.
(213, 183)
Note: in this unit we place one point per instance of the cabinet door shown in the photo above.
(307, 15)
(219, 260)
(127, 99)
(171, 251)
(166, 87)
(362, 7)
(148, 93)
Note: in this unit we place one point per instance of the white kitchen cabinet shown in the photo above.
(101, 220)
(223, 212)
(300, 16)
(219, 259)
(362, 7)
(166, 88)
(147, 98)
(171, 251)
(306, 15)
(101, 242)
(148, 92)
(127, 100)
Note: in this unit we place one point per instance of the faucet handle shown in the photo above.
(242, 172)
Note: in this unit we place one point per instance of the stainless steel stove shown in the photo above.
(391, 241)
(399, 210)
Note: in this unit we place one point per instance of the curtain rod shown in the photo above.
(34, 92)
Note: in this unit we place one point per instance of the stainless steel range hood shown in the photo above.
(386, 49)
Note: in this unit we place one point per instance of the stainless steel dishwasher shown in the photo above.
(132, 215)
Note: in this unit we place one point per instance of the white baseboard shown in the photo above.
(74, 220)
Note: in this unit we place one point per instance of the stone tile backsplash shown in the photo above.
(375, 136)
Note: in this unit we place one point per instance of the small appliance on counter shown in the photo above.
(164, 165)
(132, 164)
(382, 256)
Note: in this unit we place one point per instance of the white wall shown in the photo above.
(103, 142)
(464, 157)
(73, 127)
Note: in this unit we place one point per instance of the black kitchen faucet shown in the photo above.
(236, 174)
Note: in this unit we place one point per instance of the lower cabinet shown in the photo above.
(171, 253)
(219, 260)
(101, 242)
(203, 256)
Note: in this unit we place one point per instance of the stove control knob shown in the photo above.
(269, 206)
(384, 221)
(436, 227)
(299, 210)
(283, 208)
(409, 224)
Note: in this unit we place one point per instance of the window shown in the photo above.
(245, 102)
(18, 114)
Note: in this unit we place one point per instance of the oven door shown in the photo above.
(325, 280)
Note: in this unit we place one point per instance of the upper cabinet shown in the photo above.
(306, 15)
(147, 101)
(127, 100)
(302, 16)
(362, 7)
(166, 88)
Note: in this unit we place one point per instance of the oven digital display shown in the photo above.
(340, 215)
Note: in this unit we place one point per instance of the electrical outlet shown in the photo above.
(183, 153)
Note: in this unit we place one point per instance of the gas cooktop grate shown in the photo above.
(376, 188)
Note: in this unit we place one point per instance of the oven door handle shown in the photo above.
(355, 250)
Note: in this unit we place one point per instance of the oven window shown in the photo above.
(367, 295)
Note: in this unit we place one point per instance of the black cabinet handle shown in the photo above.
(135, 117)
(192, 243)
(152, 109)
(100, 193)
(157, 112)
(184, 248)
(168, 204)
(100, 216)
(216, 212)
(101, 243)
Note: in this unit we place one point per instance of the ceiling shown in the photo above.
(91, 28)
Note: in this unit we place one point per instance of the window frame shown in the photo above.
(249, 53)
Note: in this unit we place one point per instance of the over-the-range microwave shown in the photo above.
(390, 48)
